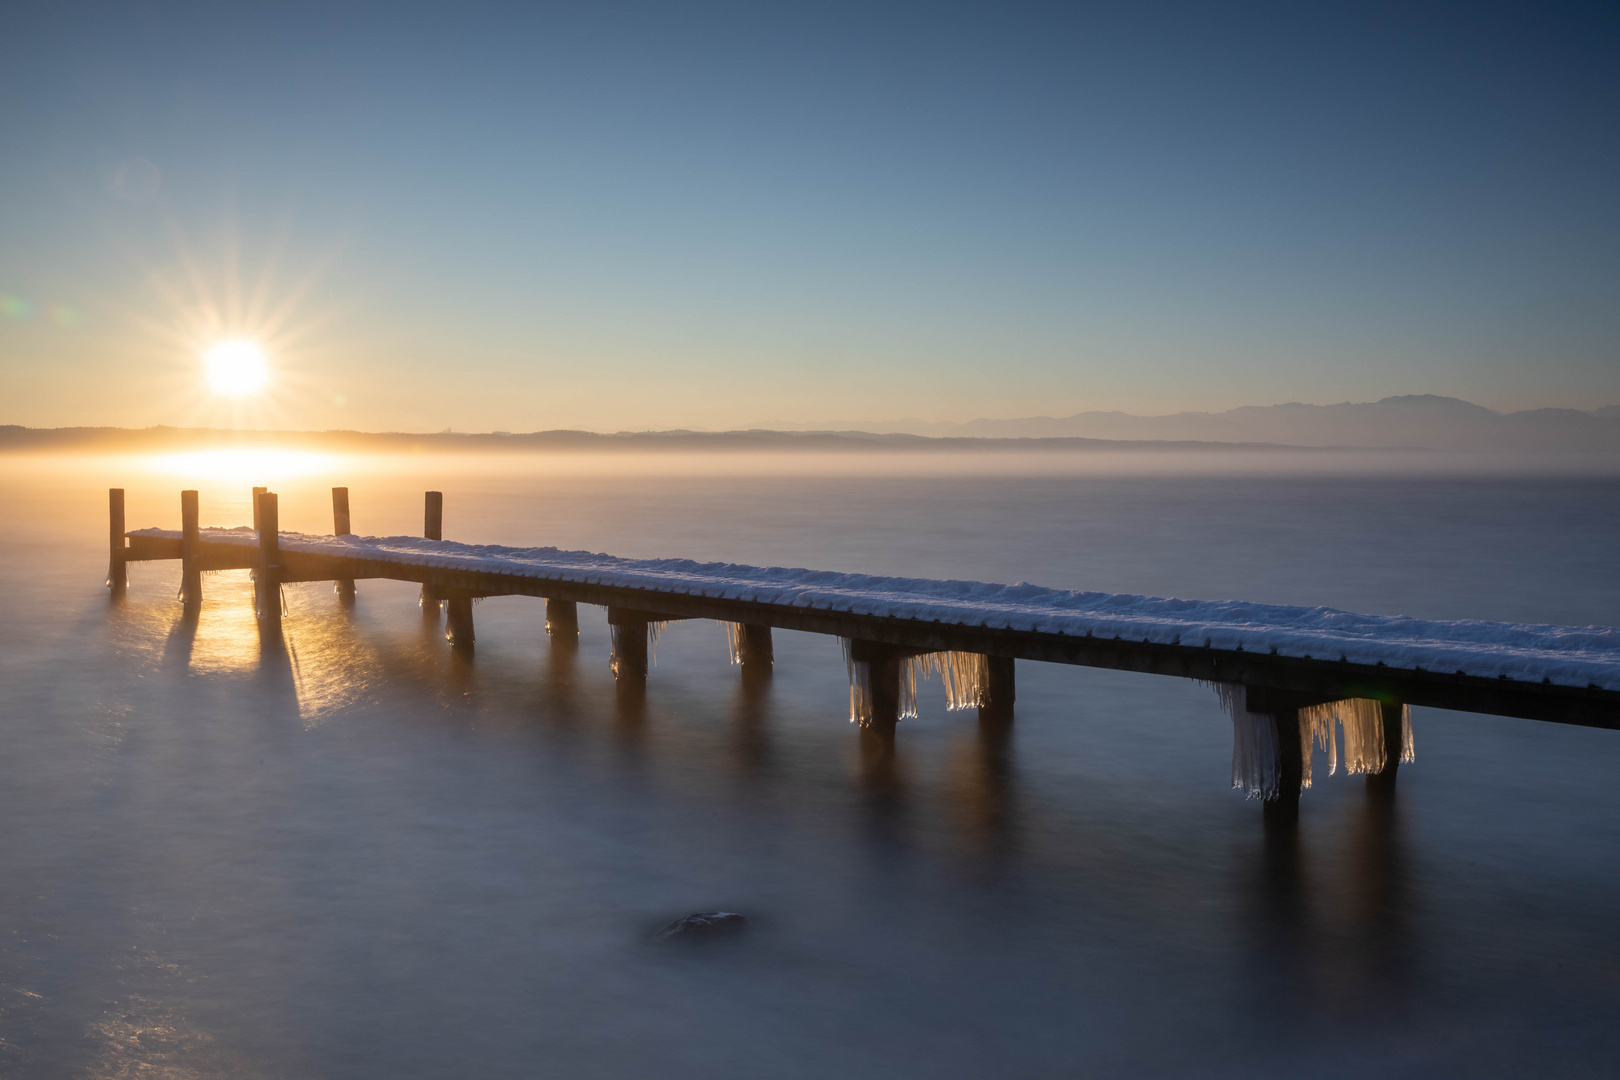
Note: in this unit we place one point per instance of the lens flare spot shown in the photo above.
(236, 368)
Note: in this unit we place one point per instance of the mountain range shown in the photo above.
(1415, 420)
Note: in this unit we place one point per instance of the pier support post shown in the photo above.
(340, 527)
(255, 501)
(1000, 690)
(269, 577)
(1283, 808)
(876, 706)
(629, 629)
(117, 547)
(754, 649)
(1393, 716)
(562, 621)
(458, 623)
(432, 529)
(190, 541)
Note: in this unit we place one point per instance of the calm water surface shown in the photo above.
(348, 853)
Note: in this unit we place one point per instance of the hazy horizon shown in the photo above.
(621, 218)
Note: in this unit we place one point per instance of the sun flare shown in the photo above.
(236, 368)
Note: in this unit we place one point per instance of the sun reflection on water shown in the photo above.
(243, 465)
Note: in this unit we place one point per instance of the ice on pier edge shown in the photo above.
(966, 676)
(1254, 742)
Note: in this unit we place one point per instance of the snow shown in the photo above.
(1562, 655)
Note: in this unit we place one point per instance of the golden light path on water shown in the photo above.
(255, 465)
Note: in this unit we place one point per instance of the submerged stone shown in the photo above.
(702, 924)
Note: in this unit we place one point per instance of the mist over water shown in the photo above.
(348, 852)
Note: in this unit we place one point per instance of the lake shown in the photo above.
(350, 852)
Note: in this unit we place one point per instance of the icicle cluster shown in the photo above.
(860, 685)
(1254, 744)
(966, 676)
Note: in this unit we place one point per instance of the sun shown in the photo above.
(236, 368)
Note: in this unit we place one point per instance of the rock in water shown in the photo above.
(702, 924)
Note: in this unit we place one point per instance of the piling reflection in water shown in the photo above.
(1331, 911)
(979, 784)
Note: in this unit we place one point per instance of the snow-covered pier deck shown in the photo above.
(1285, 659)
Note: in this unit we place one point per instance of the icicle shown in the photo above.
(1254, 744)
(1363, 721)
(1408, 748)
(860, 686)
(654, 628)
(734, 634)
(910, 667)
(1316, 723)
(966, 676)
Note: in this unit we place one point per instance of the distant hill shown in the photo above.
(1418, 421)
(170, 440)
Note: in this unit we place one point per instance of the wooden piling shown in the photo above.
(630, 631)
(754, 648)
(1393, 714)
(1000, 691)
(268, 581)
(117, 567)
(256, 493)
(432, 529)
(190, 552)
(458, 623)
(562, 620)
(1283, 808)
(340, 527)
(883, 663)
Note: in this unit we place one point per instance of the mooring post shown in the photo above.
(1000, 691)
(117, 567)
(1393, 714)
(340, 527)
(256, 493)
(562, 621)
(458, 623)
(754, 648)
(630, 630)
(432, 529)
(190, 551)
(269, 578)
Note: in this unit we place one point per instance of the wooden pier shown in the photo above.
(879, 646)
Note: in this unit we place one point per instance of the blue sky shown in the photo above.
(627, 216)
